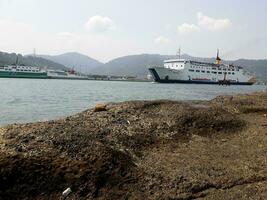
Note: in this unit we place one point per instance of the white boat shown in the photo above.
(189, 71)
(59, 74)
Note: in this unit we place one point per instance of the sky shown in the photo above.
(107, 29)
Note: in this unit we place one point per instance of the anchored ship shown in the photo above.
(71, 74)
(189, 71)
(22, 71)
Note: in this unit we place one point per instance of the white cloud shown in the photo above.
(205, 22)
(99, 24)
(23, 38)
(162, 40)
(13, 26)
(66, 35)
(213, 24)
(187, 28)
(14, 34)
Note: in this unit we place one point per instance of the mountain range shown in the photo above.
(132, 65)
(77, 61)
(136, 65)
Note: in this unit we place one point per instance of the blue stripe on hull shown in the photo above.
(26, 77)
(202, 82)
(68, 78)
(159, 80)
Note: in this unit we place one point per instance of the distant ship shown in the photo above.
(15, 71)
(188, 71)
(22, 71)
(71, 74)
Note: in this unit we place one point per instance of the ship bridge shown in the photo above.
(177, 64)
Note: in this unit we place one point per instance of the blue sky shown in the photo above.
(106, 29)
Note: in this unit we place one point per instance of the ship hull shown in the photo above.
(7, 74)
(203, 82)
(68, 78)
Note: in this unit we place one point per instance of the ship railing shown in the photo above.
(153, 66)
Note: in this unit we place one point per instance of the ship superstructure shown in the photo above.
(15, 71)
(71, 74)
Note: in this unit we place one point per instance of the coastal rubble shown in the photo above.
(142, 150)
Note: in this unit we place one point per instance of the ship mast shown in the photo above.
(179, 53)
(34, 57)
(17, 60)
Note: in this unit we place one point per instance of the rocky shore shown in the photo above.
(142, 150)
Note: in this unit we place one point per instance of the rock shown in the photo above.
(66, 192)
(140, 150)
(100, 108)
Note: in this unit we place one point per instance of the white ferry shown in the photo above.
(71, 74)
(188, 71)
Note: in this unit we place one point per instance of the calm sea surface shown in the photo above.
(26, 100)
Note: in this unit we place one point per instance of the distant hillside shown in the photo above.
(79, 62)
(10, 58)
(259, 67)
(134, 65)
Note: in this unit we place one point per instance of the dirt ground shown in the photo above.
(142, 150)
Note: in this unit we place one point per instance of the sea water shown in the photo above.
(32, 100)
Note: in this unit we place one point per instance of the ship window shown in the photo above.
(219, 72)
(197, 71)
(229, 72)
(203, 71)
(233, 73)
(208, 72)
(214, 72)
(191, 70)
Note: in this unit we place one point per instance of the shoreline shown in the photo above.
(142, 150)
